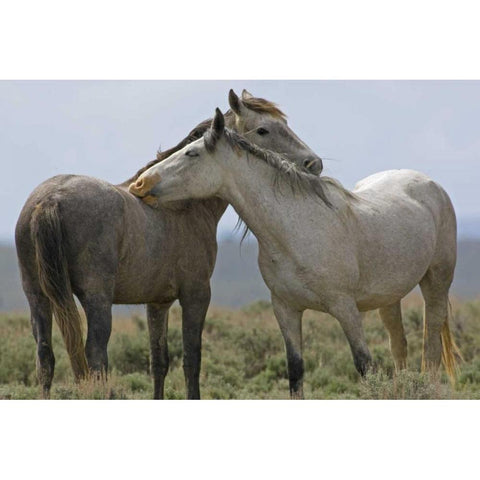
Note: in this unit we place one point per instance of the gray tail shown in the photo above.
(49, 240)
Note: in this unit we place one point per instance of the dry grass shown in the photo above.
(244, 358)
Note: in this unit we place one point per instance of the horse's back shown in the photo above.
(86, 204)
(393, 182)
(397, 188)
(411, 182)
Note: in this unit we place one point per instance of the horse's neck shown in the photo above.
(273, 213)
(216, 206)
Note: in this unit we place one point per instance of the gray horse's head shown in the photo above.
(265, 125)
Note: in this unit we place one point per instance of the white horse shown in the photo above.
(324, 248)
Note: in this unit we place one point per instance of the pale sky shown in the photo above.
(109, 129)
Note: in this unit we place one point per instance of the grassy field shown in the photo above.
(244, 358)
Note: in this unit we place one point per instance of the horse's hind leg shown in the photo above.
(98, 309)
(41, 319)
(290, 322)
(392, 319)
(157, 316)
(434, 286)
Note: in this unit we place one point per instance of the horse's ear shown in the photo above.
(234, 102)
(218, 122)
(216, 131)
(246, 95)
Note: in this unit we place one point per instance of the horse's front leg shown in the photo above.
(157, 316)
(290, 322)
(194, 304)
(346, 312)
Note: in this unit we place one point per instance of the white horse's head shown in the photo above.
(202, 168)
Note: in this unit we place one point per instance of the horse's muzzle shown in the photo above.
(142, 187)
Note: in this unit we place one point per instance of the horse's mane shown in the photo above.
(336, 185)
(298, 178)
(260, 105)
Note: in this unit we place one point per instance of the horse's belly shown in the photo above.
(380, 300)
(159, 273)
(392, 279)
(390, 285)
(131, 290)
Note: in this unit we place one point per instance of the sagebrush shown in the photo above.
(244, 358)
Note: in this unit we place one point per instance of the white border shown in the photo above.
(238, 439)
(208, 40)
(341, 39)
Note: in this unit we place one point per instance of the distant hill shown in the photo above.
(11, 293)
(469, 228)
(466, 283)
(237, 280)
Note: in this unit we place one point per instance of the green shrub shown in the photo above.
(243, 356)
(17, 359)
(470, 373)
(129, 354)
(137, 382)
(413, 319)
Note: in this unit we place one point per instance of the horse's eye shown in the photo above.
(191, 153)
(262, 131)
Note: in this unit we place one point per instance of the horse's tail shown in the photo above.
(450, 350)
(48, 238)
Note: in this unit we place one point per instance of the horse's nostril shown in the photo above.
(308, 163)
(313, 165)
(144, 185)
(137, 188)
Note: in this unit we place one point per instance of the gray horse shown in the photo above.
(82, 236)
(325, 248)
